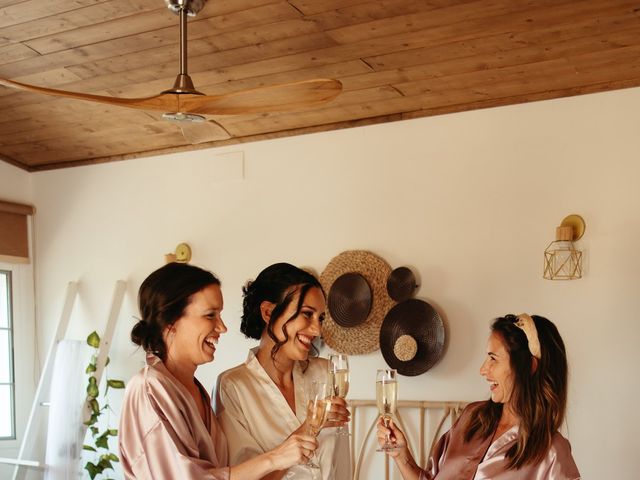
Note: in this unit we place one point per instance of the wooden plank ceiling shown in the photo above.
(397, 59)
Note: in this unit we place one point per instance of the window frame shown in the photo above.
(11, 353)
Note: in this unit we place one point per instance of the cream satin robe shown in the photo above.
(162, 435)
(453, 459)
(256, 417)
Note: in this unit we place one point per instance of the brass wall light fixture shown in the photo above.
(181, 255)
(562, 261)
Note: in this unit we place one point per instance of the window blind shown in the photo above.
(14, 232)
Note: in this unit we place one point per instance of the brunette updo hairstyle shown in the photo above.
(277, 284)
(539, 396)
(162, 299)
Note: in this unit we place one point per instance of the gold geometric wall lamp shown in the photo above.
(561, 259)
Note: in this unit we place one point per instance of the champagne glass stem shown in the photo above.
(387, 439)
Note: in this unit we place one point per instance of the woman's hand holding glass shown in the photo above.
(338, 414)
(388, 433)
(297, 449)
(318, 405)
(338, 379)
(387, 399)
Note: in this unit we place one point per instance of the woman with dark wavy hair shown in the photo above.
(262, 401)
(514, 435)
(167, 427)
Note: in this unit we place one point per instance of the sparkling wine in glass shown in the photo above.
(387, 399)
(339, 381)
(318, 405)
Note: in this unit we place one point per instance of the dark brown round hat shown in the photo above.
(401, 284)
(349, 300)
(412, 337)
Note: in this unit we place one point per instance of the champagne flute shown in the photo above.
(387, 399)
(339, 381)
(318, 405)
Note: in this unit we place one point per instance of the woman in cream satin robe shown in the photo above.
(262, 401)
(514, 435)
(167, 427)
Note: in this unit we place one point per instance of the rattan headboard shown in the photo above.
(422, 421)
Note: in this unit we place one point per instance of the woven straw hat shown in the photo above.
(363, 337)
(412, 337)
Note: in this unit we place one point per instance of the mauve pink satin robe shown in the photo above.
(453, 459)
(162, 435)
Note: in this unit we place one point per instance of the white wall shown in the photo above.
(16, 186)
(468, 200)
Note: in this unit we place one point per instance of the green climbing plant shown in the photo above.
(104, 458)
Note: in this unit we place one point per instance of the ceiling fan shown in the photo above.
(184, 104)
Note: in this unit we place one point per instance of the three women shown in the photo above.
(168, 429)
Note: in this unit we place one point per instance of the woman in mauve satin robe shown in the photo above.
(514, 435)
(167, 427)
(263, 400)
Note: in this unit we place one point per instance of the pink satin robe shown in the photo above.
(162, 435)
(453, 459)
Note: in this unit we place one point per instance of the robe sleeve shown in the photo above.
(242, 444)
(156, 440)
(437, 452)
(559, 463)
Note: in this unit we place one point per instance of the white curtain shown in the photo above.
(68, 393)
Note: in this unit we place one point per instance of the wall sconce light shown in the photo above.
(561, 259)
(181, 255)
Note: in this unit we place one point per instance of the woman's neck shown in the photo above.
(184, 372)
(279, 369)
(507, 420)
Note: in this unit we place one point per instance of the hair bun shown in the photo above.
(139, 332)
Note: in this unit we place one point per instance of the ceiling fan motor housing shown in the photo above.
(191, 7)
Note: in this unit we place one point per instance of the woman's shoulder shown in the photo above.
(314, 367)
(560, 456)
(472, 408)
(147, 379)
(151, 390)
(560, 445)
(319, 362)
(234, 375)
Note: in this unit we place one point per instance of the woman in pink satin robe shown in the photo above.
(167, 427)
(514, 435)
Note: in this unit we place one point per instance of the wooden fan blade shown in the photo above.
(201, 132)
(162, 102)
(276, 98)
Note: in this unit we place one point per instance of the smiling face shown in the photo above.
(303, 328)
(192, 338)
(497, 369)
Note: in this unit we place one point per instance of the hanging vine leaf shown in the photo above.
(93, 470)
(100, 438)
(92, 388)
(95, 406)
(102, 442)
(92, 421)
(94, 339)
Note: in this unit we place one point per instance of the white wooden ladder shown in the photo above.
(33, 437)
